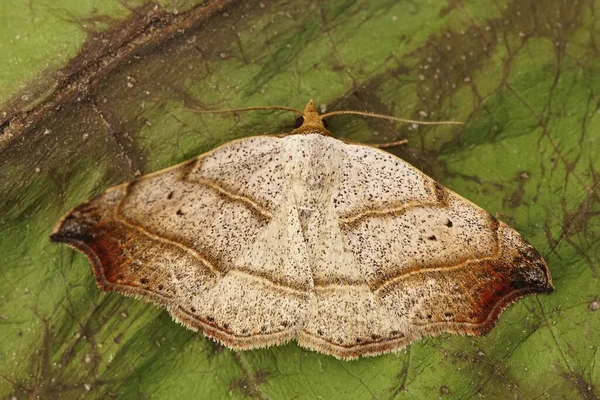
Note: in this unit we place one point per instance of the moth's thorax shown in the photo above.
(316, 161)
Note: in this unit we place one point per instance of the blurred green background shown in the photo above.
(94, 93)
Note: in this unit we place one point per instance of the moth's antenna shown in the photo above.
(410, 121)
(232, 110)
(311, 110)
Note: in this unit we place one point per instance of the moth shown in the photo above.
(343, 247)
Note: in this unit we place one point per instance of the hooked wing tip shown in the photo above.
(70, 229)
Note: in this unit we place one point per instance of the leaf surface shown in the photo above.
(96, 93)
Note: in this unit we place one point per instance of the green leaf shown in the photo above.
(95, 93)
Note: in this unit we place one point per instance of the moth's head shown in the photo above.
(310, 121)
